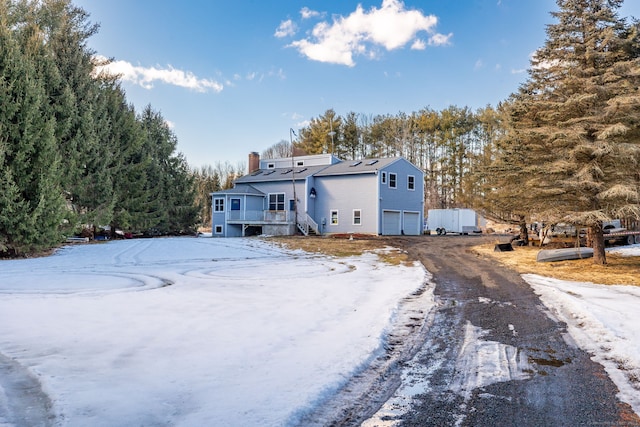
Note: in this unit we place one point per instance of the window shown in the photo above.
(357, 217)
(411, 182)
(271, 165)
(218, 229)
(235, 204)
(300, 163)
(218, 205)
(334, 217)
(392, 180)
(383, 177)
(372, 162)
(276, 202)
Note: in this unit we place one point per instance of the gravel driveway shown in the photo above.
(490, 355)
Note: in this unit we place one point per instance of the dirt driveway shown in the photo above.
(492, 355)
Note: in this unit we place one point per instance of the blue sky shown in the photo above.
(231, 77)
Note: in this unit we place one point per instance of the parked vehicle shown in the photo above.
(615, 233)
(461, 221)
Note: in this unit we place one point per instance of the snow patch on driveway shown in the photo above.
(483, 363)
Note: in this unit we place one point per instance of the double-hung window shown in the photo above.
(334, 217)
(218, 205)
(357, 217)
(393, 178)
(411, 182)
(276, 201)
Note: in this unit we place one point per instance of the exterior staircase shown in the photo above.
(308, 226)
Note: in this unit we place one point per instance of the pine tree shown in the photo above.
(31, 201)
(573, 143)
(206, 181)
(317, 138)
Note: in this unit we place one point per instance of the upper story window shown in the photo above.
(235, 204)
(383, 177)
(411, 182)
(393, 178)
(218, 205)
(276, 201)
(271, 166)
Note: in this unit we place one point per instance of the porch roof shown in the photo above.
(240, 190)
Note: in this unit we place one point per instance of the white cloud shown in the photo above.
(440, 39)
(479, 64)
(286, 29)
(419, 44)
(391, 26)
(147, 76)
(307, 13)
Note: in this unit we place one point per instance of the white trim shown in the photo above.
(395, 180)
(277, 202)
(216, 209)
(331, 217)
(353, 217)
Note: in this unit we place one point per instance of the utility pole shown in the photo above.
(293, 179)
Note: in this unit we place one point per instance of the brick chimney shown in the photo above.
(254, 162)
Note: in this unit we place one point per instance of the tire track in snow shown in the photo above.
(22, 400)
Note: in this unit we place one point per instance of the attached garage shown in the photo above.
(411, 221)
(391, 223)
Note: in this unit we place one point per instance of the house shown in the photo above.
(321, 194)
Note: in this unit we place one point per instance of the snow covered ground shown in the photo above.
(185, 331)
(602, 320)
(227, 332)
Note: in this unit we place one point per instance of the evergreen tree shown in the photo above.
(31, 204)
(573, 144)
(170, 187)
(322, 135)
(351, 137)
(206, 181)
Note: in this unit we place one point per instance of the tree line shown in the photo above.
(447, 145)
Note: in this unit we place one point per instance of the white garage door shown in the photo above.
(411, 223)
(390, 223)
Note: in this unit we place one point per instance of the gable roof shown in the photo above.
(353, 167)
(279, 174)
(349, 167)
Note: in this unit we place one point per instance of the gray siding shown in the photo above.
(345, 194)
(285, 187)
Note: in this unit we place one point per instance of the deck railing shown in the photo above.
(260, 216)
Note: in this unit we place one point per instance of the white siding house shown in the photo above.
(321, 194)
